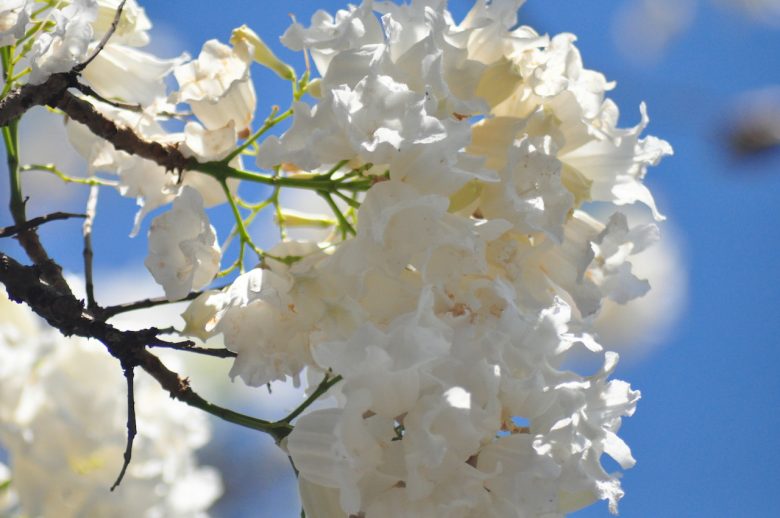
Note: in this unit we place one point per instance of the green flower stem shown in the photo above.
(323, 387)
(269, 123)
(10, 138)
(221, 171)
(242, 232)
(8, 69)
(336, 168)
(51, 168)
(345, 226)
(277, 430)
(349, 201)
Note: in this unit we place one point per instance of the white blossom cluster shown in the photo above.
(216, 87)
(474, 272)
(477, 264)
(65, 433)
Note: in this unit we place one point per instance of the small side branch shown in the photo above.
(37, 222)
(131, 425)
(107, 36)
(191, 348)
(88, 254)
(112, 311)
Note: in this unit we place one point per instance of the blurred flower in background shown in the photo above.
(645, 30)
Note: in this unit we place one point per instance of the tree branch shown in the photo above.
(67, 314)
(131, 425)
(122, 138)
(16, 103)
(88, 254)
(36, 222)
(111, 311)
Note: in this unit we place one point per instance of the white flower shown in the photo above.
(183, 250)
(65, 435)
(14, 15)
(530, 193)
(217, 85)
(383, 123)
(207, 145)
(67, 44)
(146, 181)
(128, 74)
(133, 23)
(350, 28)
(267, 316)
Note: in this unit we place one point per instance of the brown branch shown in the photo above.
(88, 253)
(36, 222)
(191, 348)
(122, 138)
(111, 311)
(67, 314)
(131, 425)
(16, 103)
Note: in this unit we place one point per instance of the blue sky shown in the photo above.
(706, 430)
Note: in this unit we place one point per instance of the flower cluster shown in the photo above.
(216, 86)
(461, 161)
(65, 433)
(472, 273)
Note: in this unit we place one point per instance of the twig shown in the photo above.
(88, 254)
(324, 386)
(36, 222)
(191, 348)
(107, 36)
(131, 425)
(111, 311)
(88, 90)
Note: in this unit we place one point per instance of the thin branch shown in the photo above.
(191, 348)
(88, 254)
(111, 311)
(324, 386)
(88, 90)
(107, 36)
(131, 425)
(36, 222)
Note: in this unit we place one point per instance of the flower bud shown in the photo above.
(261, 53)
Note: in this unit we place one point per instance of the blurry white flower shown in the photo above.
(66, 45)
(133, 23)
(128, 74)
(14, 15)
(217, 85)
(65, 434)
(183, 251)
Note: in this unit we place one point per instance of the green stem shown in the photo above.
(8, 68)
(277, 430)
(323, 387)
(11, 140)
(221, 171)
(345, 226)
(242, 232)
(51, 168)
(270, 122)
